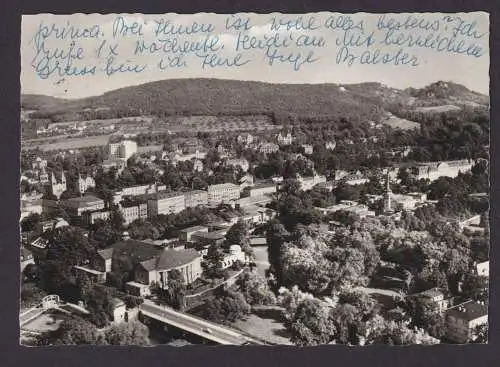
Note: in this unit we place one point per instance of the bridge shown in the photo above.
(194, 325)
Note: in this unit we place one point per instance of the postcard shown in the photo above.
(254, 179)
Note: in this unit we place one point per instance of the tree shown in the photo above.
(73, 331)
(480, 334)
(238, 235)
(276, 236)
(227, 307)
(127, 333)
(255, 289)
(312, 324)
(174, 294)
(66, 248)
(100, 304)
(475, 287)
(30, 222)
(212, 263)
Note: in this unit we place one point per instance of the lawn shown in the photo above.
(265, 324)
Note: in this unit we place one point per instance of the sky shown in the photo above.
(470, 71)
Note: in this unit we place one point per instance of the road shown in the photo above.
(261, 259)
(194, 325)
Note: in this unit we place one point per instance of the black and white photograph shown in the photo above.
(254, 179)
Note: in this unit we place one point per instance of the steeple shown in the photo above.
(387, 196)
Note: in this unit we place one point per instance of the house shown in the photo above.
(235, 255)
(26, 258)
(285, 139)
(268, 148)
(463, 319)
(186, 233)
(118, 310)
(330, 145)
(122, 150)
(195, 198)
(246, 139)
(434, 296)
(197, 165)
(307, 183)
(89, 218)
(433, 170)
(239, 162)
(203, 239)
(307, 148)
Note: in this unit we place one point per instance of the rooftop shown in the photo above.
(469, 310)
(193, 229)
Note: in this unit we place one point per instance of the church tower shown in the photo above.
(387, 195)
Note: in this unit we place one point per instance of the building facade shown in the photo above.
(195, 198)
(166, 203)
(223, 193)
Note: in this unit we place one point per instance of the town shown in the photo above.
(298, 231)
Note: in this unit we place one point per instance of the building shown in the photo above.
(75, 207)
(90, 218)
(268, 148)
(206, 239)
(307, 183)
(235, 255)
(134, 212)
(434, 296)
(246, 139)
(350, 207)
(151, 264)
(433, 170)
(195, 198)
(26, 258)
(223, 193)
(29, 207)
(330, 145)
(122, 150)
(285, 139)
(483, 269)
(308, 149)
(142, 190)
(85, 183)
(39, 164)
(118, 311)
(239, 162)
(166, 203)
(463, 319)
(264, 188)
(58, 186)
(117, 163)
(186, 233)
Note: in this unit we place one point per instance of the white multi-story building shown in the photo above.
(195, 198)
(134, 212)
(91, 217)
(122, 150)
(223, 193)
(166, 203)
